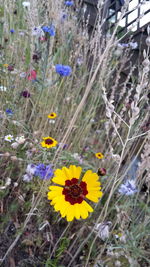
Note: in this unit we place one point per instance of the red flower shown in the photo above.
(31, 75)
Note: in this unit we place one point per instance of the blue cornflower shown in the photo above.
(69, 3)
(128, 188)
(43, 171)
(49, 29)
(12, 30)
(63, 70)
(9, 111)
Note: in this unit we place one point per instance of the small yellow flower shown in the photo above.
(52, 115)
(48, 142)
(99, 155)
(5, 65)
(70, 194)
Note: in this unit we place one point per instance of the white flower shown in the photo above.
(26, 4)
(78, 157)
(23, 74)
(30, 169)
(8, 138)
(51, 121)
(37, 31)
(133, 45)
(3, 88)
(14, 145)
(27, 177)
(128, 188)
(103, 230)
(20, 139)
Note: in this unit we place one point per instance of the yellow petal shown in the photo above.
(53, 194)
(92, 179)
(70, 213)
(77, 211)
(94, 196)
(55, 188)
(60, 177)
(75, 171)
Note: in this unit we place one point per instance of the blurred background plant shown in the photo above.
(50, 64)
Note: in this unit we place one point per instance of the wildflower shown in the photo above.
(63, 145)
(30, 172)
(37, 31)
(10, 67)
(51, 121)
(101, 172)
(63, 16)
(23, 74)
(5, 65)
(52, 115)
(43, 171)
(25, 93)
(27, 177)
(78, 157)
(26, 4)
(128, 188)
(3, 88)
(69, 195)
(103, 230)
(49, 29)
(12, 31)
(8, 138)
(9, 111)
(36, 57)
(99, 155)
(20, 139)
(48, 142)
(14, 145)
(31, 75)
(69, 3)
(63, 70)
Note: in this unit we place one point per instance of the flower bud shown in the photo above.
(13, 158)
(148, 41)
(101, 172)
(6, 154)
(146, 62)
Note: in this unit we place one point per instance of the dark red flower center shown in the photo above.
(52, 114)
(48, 141)
(74, 192)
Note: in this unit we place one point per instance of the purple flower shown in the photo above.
(49, 29)
(25, 94)
(63, 70)
(44, 171)
(30, 172)
(128, 188)
(69, 3)
(9, 111)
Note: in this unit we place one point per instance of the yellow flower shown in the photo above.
(5, 65)
(52, 115)
(48, 142)
(99, 155)
(68, 196)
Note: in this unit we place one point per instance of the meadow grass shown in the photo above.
(99, 109)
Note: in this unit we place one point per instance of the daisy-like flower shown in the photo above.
(99, 155)
(52, 115)
(69, 195)
(9, 138)
(48, 142)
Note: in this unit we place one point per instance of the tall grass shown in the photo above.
(98, 109)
